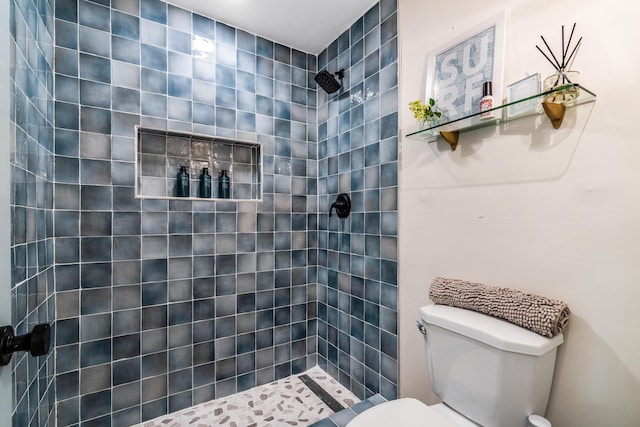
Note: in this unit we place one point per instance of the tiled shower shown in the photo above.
(159, 304)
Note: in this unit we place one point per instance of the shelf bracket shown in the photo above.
(451, 138)
(555, 112)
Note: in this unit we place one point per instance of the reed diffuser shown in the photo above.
(563, 75)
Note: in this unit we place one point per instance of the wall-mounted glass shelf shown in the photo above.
(552, 102)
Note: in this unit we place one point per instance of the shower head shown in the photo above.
(327, 82)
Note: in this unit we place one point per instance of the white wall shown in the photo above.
(528, 207)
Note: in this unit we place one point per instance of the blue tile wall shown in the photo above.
(32, 271)
(357, 257)
(163, 304)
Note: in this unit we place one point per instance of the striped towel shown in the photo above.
(545, 316)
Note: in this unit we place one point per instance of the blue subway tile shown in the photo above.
(246, 121)
(66, 34)
(125, 50)
(179, 86)
(67, 10)
(264, 67)
(95, 94)
(225, 97)
(95, 353)
(94, 405)
(153, 57)
(283, 54)
(67, 61)
(389, 53)
(95, 120)
(203, 70)
(179, 18)
(204, 27)
(125, 25)
(225, 118)
(389, 174)
(371, 18)
(225, 34)
(179, 109)
(93, 15)
(225, 76)
(154, 81)
(388, 29)
(154, 10)
(127, 100)
(67, 115)
(264, 47)
(246, 41)
(179, 41)
(95, 68)
(152, 33)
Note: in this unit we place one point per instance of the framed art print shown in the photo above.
(457, 70)
(527, 87)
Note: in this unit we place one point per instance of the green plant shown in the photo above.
(424, 112)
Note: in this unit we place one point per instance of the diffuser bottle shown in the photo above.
(182, 186)
(205, 184)
(486, 103)
(224, 185)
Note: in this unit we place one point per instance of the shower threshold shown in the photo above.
(286, 402)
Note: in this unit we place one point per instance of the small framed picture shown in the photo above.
(457, 70)
(529, 86)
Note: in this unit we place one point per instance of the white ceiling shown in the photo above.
(306, 25)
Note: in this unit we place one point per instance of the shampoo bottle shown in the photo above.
(486, 103)
(224, 185)
(182, 187)
(205, 184)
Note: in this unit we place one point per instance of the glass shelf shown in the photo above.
(570, 95)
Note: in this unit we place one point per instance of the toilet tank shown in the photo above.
(489, 370)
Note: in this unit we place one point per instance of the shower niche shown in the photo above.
(234, 167)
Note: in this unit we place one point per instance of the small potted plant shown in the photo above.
(426, 114)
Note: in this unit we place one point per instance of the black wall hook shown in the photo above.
(342, 205)
(36, 343)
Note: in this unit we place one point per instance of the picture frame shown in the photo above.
(529, 86)
(456, 71)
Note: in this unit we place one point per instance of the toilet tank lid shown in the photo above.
(490, 330)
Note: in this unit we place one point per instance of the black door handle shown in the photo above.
(36, 342)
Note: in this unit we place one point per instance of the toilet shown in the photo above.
(488, 372)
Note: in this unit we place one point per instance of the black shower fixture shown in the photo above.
(342, 205)
(327, 82)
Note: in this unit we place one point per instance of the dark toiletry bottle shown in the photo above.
(224, 185)
(182, 187)
(486, 103)
(205, 184)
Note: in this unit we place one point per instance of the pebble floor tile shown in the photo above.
(287, 402)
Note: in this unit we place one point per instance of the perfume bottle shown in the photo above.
(224, 185)
(182, 187)
(205, 184)
(486, 103)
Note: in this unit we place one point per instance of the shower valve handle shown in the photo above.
(342, 205)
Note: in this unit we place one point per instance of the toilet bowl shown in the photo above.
(409, 412)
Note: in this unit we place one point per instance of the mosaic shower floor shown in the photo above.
(287, 402)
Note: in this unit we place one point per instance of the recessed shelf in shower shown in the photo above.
(160, 154)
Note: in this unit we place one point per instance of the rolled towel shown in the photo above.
(545, 316)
